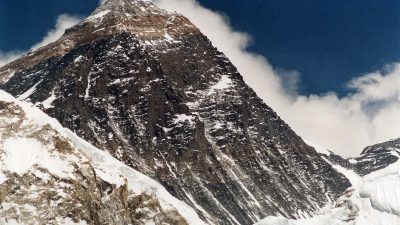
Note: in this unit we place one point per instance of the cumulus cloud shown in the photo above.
(63, 22)
(369, 115)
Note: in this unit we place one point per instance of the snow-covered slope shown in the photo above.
(48, 175)
(374, 201)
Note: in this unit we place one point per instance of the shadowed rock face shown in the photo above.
(372, 158)
(377, 157)
(149, 88)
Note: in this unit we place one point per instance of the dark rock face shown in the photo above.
(149, 88)
(372, 158)
(377, 157)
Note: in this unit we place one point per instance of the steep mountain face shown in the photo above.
(149, 87)
(50, 176)
(373, 201)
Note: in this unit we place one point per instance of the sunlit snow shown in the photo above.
(374, 201)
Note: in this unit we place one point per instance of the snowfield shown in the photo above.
(21, 154)
(375, 200)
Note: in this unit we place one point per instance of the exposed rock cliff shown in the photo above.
(372, 158)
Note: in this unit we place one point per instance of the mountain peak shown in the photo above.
(153, 27)
(141, 18)
(132, 7)
(113, 3)
(154, 92)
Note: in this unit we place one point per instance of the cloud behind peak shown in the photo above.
(345, 125)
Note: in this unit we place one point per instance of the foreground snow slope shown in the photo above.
(374, 201)
(48, 175)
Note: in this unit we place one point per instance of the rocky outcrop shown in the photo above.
(148, 87)
(372, 158)
(377, 157)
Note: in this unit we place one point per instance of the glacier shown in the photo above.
(375, 200)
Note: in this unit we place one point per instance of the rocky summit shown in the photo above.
(148, 87)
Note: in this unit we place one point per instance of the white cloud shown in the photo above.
(8, 57)
(345, 125)
(63, 22)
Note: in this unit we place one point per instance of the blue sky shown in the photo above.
(327, 42)
(25, 22)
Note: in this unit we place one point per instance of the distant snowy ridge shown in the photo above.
(374, 201)
(22, 152)
(353, 177)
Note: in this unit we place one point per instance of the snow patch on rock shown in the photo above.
(47, 104)
(98, 15)
(29, 92)
(224, 83)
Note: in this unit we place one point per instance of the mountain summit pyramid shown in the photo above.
(147, 86)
